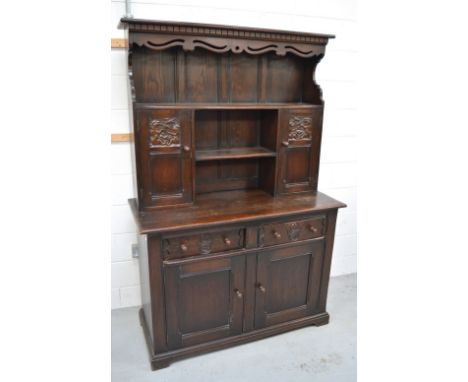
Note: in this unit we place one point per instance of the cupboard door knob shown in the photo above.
(227, 241)
(238, 293)
(186, 149)
(285, 143)
(183, 247)
(313, 229)
(261, 287)
(277, 235)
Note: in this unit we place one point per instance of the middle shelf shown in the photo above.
(233, 153)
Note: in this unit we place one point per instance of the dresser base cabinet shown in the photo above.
(241, 285)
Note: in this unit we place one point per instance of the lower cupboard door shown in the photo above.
(204, 300)
(288, 283)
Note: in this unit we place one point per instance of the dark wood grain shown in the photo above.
(231, 206)
(330, 238)
(287, 283)
(136, 24)
(204, 300)
(165, 157)
(144, 267)
(235, 240)
(284, 232)
(299, 149)
(158, 306)
(234, 153)
(214, 241)
(222, 175)
(227, 106)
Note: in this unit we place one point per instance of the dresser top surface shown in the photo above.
(240, 206)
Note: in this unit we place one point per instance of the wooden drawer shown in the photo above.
(295, 230)
(203, 244)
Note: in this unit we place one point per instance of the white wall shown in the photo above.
(336, 75)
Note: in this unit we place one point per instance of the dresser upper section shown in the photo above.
(222, 108)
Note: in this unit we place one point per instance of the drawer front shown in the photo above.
(203, 244)
(290, 231)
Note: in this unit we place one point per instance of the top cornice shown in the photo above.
(223, 31)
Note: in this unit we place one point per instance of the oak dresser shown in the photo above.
(235, 240)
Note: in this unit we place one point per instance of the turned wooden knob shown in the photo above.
(277, 235)
(227, 241)
(285, 143)
(262, 288)
(313, 229)
(186, 148)
(183, 247)
(238, 293)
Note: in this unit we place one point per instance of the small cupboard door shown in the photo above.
(165, 156)
(204, 300)
(288, 284)
(299, 149)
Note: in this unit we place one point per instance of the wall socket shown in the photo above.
(135, 251)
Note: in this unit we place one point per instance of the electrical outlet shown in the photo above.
(135, 251)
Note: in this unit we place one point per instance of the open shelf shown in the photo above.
(225, 106)
(235, 149)
(234, 153)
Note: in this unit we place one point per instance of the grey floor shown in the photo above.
(319, 354)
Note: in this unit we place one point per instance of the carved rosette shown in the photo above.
(294, 230)
(166, 247)
(241, 236)
(300, 128)
(261, 236)
(164, 132)
(205, 244)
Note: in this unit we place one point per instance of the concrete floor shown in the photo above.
(319, 354)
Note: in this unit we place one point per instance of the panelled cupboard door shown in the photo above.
(288, 283)
(164, 149)
(204, 300)
(300, 133)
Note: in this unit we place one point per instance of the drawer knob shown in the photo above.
(227, 241)
(183, 247)
(238, 293)
(285, 143)
(277, 235)
(261, 287)
(186, 149)
(313, 229)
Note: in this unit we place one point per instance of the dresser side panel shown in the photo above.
(145, 280)
(157, 294)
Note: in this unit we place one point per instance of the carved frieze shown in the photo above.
(222, 31)
(223, 45)
(300, 128)
(164, 132)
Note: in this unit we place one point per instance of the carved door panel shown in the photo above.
(299, 153)
(204, 300)
(164, 156)
(288, 284)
